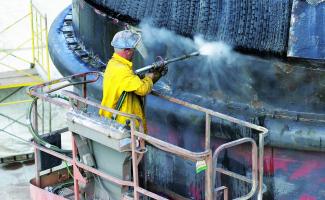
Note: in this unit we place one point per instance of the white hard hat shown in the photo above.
(126, 39)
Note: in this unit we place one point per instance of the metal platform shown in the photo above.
(19, 78)
(97, 152)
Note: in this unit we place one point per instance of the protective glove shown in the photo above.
(160, 66)
(164, 70)
(155, 76)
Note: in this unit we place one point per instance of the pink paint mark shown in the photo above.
(195, 192)
(272, 165)
(307, 197)
(172, 137)
(305, 169)
(282, 164)
(153, 129)
(268, 169)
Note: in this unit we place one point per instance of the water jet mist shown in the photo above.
(215, 49)
(217, 73)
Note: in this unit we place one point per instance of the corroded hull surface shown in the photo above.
(284, 96)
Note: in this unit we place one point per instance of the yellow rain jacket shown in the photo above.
(119, 77)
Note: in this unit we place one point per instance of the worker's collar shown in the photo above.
(122, 60)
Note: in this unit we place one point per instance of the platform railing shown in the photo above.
(44, 90)
(253, 181)
(262, 132)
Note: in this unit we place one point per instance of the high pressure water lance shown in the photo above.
(159, 65)
(162, 63)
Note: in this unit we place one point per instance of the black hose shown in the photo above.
(37, 138)
(62, 185)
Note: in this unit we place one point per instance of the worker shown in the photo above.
(119, 77)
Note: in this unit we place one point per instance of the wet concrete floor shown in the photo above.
(14, 181)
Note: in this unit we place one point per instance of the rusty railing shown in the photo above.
(42, 91)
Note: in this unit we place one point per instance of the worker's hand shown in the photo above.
(160, 66)
(155, 76)
(163, 70)
(150, 75)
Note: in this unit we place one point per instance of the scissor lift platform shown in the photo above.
(107, 152)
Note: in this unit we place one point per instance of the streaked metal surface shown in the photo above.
(307, 31)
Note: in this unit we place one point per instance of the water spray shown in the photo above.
(161, 63)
